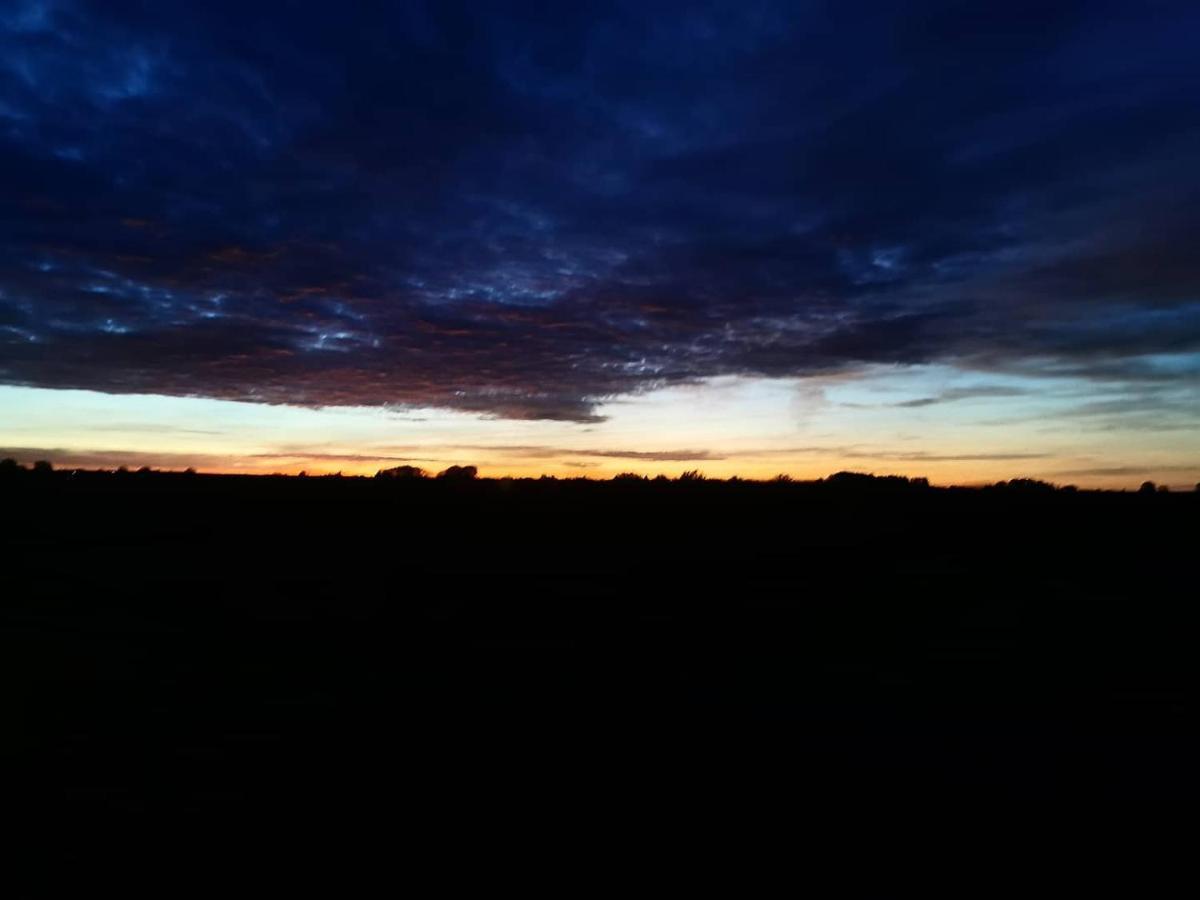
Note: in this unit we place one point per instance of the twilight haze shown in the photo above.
(948, 239)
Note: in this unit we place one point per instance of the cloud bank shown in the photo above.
(523, 211)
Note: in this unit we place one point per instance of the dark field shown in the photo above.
(454, 660)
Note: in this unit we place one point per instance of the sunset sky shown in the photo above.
(958, 240)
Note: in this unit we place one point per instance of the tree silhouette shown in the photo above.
(402, 473)
(1148, 487)
(1027, 485)
(458, 473)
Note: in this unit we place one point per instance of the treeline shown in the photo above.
(845, 482)
(11, 468)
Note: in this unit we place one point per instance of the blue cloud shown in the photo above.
(522, 210)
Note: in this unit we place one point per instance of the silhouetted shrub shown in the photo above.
(863, 481)
(851, 480)
(692, 475)
(402, 473)
(629, 477)
(458, 473)
(42, 467)
(10, 466)
(1148, 487)
(1027, 485)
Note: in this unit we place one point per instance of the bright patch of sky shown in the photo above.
(951, 426)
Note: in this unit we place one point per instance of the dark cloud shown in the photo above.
(855, 452)
(339, 457)
(966, 393)
(67, 458)
(943, 457)
(522, 210)
(420, 453)
(542, 452)
(104, 458)
(1102, 471)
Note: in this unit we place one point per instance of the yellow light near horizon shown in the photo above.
(753, 429)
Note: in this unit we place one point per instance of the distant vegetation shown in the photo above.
(845, 482)
(402, 473)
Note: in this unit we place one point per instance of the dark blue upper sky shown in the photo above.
(524, 208)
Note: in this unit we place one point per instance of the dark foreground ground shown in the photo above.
(371, 667)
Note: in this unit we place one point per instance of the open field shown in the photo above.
(257, 649)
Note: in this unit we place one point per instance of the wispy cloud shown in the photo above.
(967, 393)
(1139, 470)
(340, 457)
(868, 453)
(543, 452)
(65, 457)
(149, 428)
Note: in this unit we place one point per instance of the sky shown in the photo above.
(957, 240)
